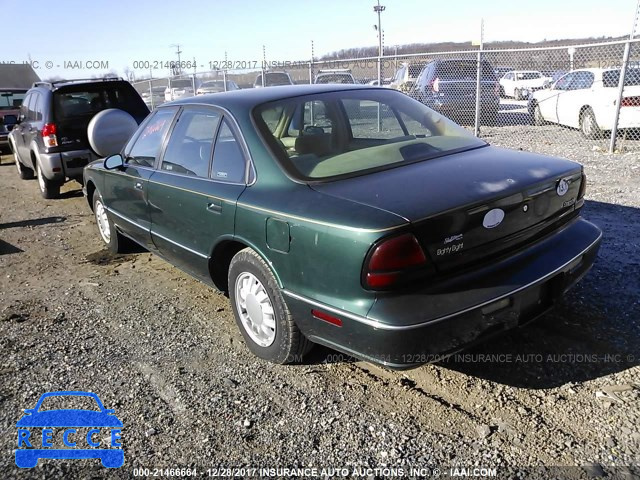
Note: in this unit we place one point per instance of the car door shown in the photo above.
(571, 102)
(194, 192)
(125, 190)
(548, 101)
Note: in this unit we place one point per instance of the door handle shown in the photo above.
(214, 207)
(138, 185)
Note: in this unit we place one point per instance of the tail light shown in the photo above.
(49, 135)
(390, 261)
(583, 187)
(435, 85)
(630, 102)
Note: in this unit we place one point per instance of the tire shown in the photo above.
(589, 125)
(48, 188)
(262, 314)
(25, 173)
(516, 94)
(114, 240)
(538, 119)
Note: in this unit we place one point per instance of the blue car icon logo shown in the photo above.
(83, 436)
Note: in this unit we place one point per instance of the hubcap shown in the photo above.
(40, 179)
(255, 309)
(103, 222)
(588, 124)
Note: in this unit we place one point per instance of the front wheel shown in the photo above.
(113, 239)
(538, 119)
(261, 311)
(48, 188)
(589, 125)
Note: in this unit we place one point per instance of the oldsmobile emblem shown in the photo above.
(563, 187)
(493, 218)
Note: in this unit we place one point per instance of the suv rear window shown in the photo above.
(463, 69)
(87, 100)
(274, 79)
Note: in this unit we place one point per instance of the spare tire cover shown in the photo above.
(109, 131)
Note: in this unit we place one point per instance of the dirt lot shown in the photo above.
(163, 350)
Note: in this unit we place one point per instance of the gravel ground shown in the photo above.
(163, 350)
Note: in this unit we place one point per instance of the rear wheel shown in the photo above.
(589, 125)
(48, 188)
(261, 311)
(517, 94)
(25, 173)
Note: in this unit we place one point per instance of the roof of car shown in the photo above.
(250, 97)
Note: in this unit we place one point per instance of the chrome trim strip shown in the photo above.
(372, 322)
(318, 222)
(126, 219)
(178, 245)
(196, 192)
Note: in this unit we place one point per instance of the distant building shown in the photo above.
(17, 75)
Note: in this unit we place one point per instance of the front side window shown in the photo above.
(189, 148)
(145, 148)
(329, 135)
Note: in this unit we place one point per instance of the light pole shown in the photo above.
(177, 71)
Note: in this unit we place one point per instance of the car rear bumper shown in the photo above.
(57, 166)
(422, 325)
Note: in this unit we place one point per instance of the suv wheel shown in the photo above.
(25, 173)
(48, 188)
(261, 312)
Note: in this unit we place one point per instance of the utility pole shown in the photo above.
(177, 70)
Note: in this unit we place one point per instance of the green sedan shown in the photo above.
(349, 216)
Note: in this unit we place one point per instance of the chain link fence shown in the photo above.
(588, 93)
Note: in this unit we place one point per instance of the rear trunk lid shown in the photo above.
(478, 203)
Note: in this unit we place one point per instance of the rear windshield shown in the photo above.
(181, 83)
(273, 79)
(11, 99)
(463, 70)
(611, 78)
(332, 135)
(87, 100)
(528, 75)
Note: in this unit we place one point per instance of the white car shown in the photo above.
(520, 84)
(586, 99)
(179, 88)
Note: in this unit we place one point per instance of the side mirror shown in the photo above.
(109, 411)
(114, 162)
(29, 411)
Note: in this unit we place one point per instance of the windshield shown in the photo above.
(11, 99)
(334, 78)
(528, 75)
(213, 83)
(330, 135)
(181, 83)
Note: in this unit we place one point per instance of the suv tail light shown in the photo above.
(435, 85)
(49, 135)
(391, 260)
(630, 102)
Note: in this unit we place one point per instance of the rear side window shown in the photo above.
(189, 149)
(146, 146)
(611, 78)
(87, 100)
(228, 159)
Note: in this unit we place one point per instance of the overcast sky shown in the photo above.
(123, 32)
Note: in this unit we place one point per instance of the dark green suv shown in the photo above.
(50, 138)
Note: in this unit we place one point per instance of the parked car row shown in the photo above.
(346, 215)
